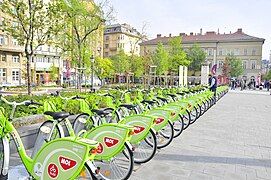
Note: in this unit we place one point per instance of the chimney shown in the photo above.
(230, 32)
(159, 35)
(239, 31)
(182, 34)
(200, 31)
(191, 34)
(218, 31)
(170, 35)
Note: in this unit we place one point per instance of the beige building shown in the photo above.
(217, 46)
(11, 63)
(121, 36)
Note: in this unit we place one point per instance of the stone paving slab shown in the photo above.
(231, 141)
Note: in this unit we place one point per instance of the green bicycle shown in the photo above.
(65, 158)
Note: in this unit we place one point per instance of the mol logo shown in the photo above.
(66, 163)
(138, 129)
(159, 120)
(100, 149)
(52, 170)
(110, 141)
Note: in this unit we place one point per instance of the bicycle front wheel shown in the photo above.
(165, 135)
(119, 167)
(146, 149)
(86, 173)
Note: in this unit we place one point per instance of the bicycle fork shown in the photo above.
(6, 154)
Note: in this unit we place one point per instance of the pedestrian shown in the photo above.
(233, 84)
(267, 85)
(213, 85)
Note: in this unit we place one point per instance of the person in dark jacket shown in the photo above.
(213, 84)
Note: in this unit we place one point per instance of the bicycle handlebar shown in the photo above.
(26, 103)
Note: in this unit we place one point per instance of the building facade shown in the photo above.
(217, 46)
(11, 61)
(121, 37)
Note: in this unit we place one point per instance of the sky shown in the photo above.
(177, 16)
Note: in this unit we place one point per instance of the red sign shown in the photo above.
(110, 141)
(100, 149)
(52, 170)
(159, 120)
(66, 163)
(138, 129)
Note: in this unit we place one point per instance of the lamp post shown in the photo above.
(92, 71)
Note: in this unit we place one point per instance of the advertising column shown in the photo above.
(181, 74)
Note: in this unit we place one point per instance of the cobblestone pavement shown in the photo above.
(230, 141)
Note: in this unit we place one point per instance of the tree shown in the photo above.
(234, 64)
(177, 56)
(81, 20)
(160, 59)
(54, 73)
(196, 56)
(32, 23)
(103, 68)
(137, 65)
(121, 63)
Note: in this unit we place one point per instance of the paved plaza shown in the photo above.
(230, 141)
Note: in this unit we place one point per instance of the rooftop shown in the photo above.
(209, 36)
(121, 28)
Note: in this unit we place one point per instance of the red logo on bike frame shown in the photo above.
(52, 170)
(100, 149)
(159, 120)
(138, 129)
(109, 142)
(66, 163)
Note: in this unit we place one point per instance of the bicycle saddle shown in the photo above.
(57, 115)
(101, 112)
(162, 99)
(172, 95)
(128, 106)
(148, 102)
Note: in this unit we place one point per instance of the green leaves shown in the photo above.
(233, 66)
(161, 59)
(177, 54)
(196, 56)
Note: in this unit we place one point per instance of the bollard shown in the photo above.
(79, 125)
(41, 139)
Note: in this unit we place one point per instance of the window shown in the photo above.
(3, 72)
(15, 42)
(220, 52)
(236, 51)
(2, 40)
(220, 64)
(210, 52)
(106, 46)
(15, 75)
(244, 64)
(253, 52)
(49, 48)
(15, 59)
(1, 21)
(253, 64)
(4, 57)
(106, 38)
(245, 52)
(106, 54)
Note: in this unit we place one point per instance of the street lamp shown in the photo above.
(92, 71)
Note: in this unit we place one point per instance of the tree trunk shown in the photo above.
(28, 73)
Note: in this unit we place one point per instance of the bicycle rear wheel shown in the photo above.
(165, 136)
(186, 119)
(178, 127)
(119, 167)
(146, 149)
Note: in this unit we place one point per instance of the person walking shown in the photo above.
(267, 85)
(213, 85)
